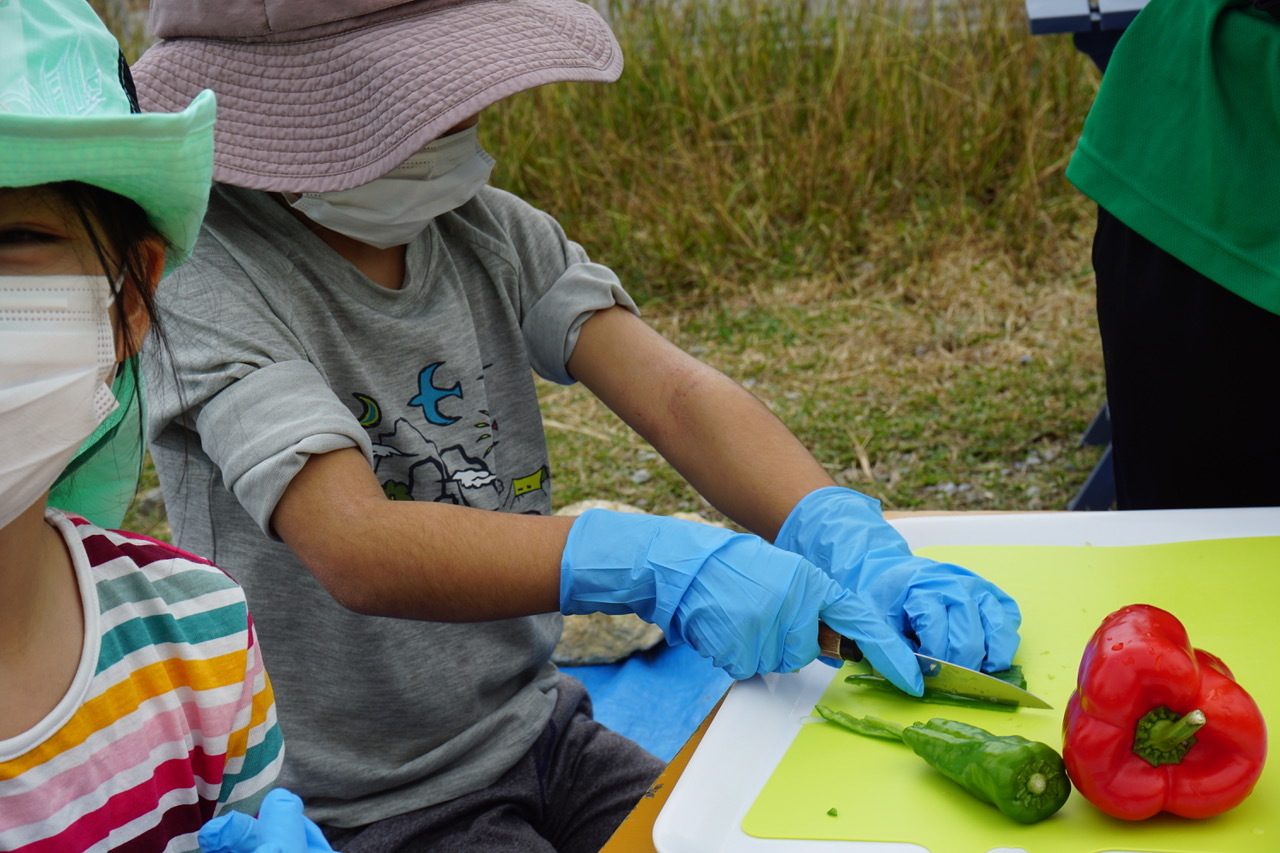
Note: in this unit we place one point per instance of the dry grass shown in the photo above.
(769, 142)
(955, 371)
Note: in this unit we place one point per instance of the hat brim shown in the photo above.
(338, 111)
(159, 160)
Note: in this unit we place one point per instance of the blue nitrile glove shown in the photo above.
(280, 827)
(954, 614)
(738, 600)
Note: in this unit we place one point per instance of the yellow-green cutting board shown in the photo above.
(1226, 593)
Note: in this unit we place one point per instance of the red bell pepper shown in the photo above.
(1155, 725)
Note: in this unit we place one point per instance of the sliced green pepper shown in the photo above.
(1023, 778)
(1013, 675)
(868, 726)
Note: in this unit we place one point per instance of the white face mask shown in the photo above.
(57, 356)
(393, 209)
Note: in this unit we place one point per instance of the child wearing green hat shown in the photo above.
(135, 706)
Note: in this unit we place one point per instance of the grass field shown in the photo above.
(856, 211)
(861, 215)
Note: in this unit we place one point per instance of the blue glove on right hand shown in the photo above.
(747, 605)
(955, 614)
(280, 827)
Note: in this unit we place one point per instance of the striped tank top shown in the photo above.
(169, 720)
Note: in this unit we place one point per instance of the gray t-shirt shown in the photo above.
(280, 349)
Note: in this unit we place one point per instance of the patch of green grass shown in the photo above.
(973, 395)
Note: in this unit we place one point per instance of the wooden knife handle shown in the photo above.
(832, 645)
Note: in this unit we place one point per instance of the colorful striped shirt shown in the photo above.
(170, 718)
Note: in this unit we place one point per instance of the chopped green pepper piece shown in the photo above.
(869, 726)
(1013, 675)
(1023, 778)
(831, 812)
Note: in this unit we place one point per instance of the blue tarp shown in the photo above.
(658, 698)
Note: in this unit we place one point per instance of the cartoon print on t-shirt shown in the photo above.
(412, 466)
(530, 482)
(429, 396)
(371, 415)
(491, 425)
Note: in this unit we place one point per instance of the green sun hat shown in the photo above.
(68, 113)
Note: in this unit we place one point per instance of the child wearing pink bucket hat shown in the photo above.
(353, 430)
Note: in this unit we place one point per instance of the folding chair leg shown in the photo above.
(1099, 491)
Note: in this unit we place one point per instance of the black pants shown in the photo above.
(568, 794)
(1193, 380)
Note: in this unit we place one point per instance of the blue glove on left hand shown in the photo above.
(738, 600)
(280, 827)
(954, 614)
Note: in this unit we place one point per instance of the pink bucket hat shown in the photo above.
(319, 95)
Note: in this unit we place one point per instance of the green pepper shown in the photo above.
(1013, 675)
(867, 726)
(1023, 778)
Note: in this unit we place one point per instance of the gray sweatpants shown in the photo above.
(568, 794)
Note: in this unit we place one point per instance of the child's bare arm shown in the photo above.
(416, 559)
(723, 440)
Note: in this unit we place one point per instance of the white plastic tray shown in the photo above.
(722, 779)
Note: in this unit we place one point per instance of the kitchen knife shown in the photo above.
(939, 674)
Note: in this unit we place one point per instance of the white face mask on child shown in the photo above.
(393, 209)
(57, 356)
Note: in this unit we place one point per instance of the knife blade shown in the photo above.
(939, 674)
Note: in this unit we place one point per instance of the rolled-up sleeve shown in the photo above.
(259, 456)
(552, 325)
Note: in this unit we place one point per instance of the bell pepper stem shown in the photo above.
(1163, 736)
(1167, 734)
